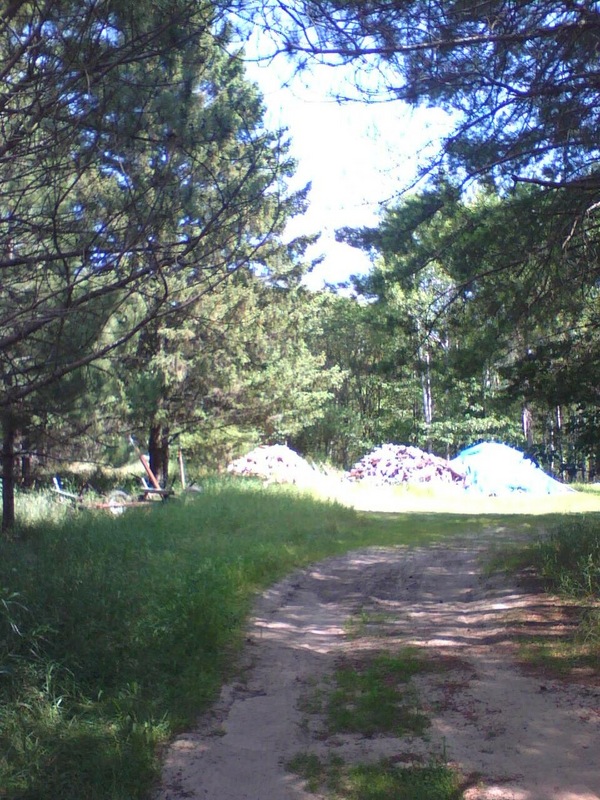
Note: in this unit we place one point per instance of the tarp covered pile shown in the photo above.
(277, 463)
(492, 468)
(400, 463)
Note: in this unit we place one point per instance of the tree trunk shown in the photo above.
(22, 457)
(158, 453)
(558, 442)
(26, 477)
(427, 394)
(8, 473)
(527, 419)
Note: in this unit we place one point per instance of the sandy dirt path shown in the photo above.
(511, 735)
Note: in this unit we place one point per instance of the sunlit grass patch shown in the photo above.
(382, 781)
(389, 782)
(559, 658)
(375, 695)
(588, 488)
(450, 499)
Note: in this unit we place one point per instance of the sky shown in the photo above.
(357, 156)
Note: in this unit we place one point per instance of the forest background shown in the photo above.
(148, 287)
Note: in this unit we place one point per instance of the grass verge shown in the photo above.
(567, 562)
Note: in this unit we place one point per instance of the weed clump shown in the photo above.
(381, 781)
(376, 696)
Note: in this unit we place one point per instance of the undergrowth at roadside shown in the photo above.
(567, 560)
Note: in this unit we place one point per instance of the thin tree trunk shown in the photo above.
(158, 452)
(26, 477)
(164, 451)
(427, 394)
(8, 474)
(558, 443)
(527, 418)
(181, 463)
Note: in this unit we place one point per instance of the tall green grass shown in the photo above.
(569, 561)
(569, 558)
(115, 632)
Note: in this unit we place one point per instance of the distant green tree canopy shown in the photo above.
(503, 322)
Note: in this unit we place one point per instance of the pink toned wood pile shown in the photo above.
(399, 463)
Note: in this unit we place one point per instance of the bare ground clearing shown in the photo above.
(511, 735)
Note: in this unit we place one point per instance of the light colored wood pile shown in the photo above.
(274, 463)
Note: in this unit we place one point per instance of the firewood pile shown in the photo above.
(274, 464)
(399, 463)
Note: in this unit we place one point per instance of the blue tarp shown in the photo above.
(493, 468)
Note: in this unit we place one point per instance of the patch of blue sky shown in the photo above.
(358, 156)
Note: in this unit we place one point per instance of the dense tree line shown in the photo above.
(506, 229)
(147, 285)
(497, 352)
(136, 177)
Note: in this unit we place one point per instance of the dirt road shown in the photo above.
(512, 736)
